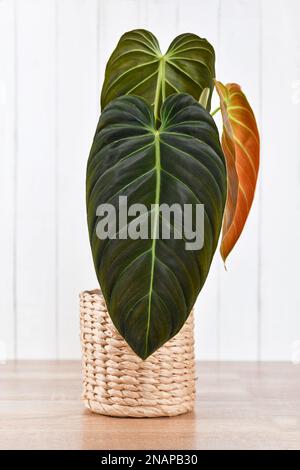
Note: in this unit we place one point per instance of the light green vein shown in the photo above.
(141, 83)
(185, 73)
(146, 44)
(202, 62)
(160, 87)
(179, 47)
(126, 73)
(117, 164)
(143, 51)
(155, 231)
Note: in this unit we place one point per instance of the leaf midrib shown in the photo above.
(160, 87)
(154, 235)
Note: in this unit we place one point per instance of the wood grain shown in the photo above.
(239, 406)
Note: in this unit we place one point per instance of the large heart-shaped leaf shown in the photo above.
(150, 285)
(240, 142)
(138, 67)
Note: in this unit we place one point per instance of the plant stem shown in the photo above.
(215, 111)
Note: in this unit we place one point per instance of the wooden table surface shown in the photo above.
(239, 406)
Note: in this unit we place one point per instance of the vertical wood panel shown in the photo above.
(281, 179)
(201, 17)
(7, 177)
(78, 94)
(116, 17)
(239, 61)
(36, 179)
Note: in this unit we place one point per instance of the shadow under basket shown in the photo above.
(117, 382)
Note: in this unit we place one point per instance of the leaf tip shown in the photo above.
(224, 257)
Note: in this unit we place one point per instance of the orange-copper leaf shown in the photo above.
(240, 143)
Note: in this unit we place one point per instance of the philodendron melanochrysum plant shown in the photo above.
(157, 143)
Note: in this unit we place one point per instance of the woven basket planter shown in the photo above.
(117, 382)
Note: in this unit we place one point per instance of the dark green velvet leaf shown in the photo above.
(150, 285)
(138, 67)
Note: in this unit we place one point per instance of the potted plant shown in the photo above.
(160, 187)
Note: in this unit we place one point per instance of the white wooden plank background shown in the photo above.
(7, 178)
(280, 169)
(35, 216)
(77, 109)
(52, 61)
(239, 61)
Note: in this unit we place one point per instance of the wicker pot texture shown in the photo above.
(117, 382)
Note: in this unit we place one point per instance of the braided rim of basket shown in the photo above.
(117, 382)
